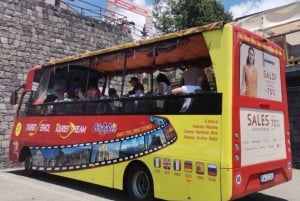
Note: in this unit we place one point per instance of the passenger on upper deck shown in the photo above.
(133, 81)
(138, 90)
(192, 80)
(163, 86)
(66, 97)
(58, 90)
(131, 106)
(112, 93)
(93, 92)
(79, 95)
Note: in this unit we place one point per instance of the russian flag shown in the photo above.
(212, 169)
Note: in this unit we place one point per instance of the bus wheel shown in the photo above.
(28, 165)
(140, 184)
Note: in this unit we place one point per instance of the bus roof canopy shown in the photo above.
(186, 45)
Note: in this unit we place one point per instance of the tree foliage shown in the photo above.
(181, 14)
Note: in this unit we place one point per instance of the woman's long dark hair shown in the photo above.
(248, 60)
(163, 78)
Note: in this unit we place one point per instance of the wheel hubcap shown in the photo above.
(141, 185)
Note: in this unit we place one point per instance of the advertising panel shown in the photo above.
(262, 136)
(259, 74)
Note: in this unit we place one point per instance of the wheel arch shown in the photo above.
(24, 152)
(132, 164)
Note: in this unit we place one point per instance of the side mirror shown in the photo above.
(14, 95)
(14, 98)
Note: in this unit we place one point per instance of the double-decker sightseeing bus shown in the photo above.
(221, 138)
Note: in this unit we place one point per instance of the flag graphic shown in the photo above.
(167, 163)
(200, 168)
(177, 165)
(212, 169)
(156, 162)
(188, 166)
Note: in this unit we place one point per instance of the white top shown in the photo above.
(186, 89)
(166, 88)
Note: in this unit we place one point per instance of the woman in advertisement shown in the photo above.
(249, 76)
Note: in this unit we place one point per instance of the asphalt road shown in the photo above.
(45, 187)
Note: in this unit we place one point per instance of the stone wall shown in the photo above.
(33, 32)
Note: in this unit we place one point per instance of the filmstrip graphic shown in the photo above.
(101, 153)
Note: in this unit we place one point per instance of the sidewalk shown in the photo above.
(49, 188)
(289, 190)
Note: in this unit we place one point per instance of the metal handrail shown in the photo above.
(108, 16)
(95, 12)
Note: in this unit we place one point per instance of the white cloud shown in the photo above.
(254, 6)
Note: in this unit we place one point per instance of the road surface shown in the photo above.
(45, 187)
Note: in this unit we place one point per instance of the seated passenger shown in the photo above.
(138, 90)
(192, 81)
(134, 81)
(113, 104)
(131, 106)
(66, 97)
(163, 86)
(112, 93)
(93, 93)
(79, 94)
(58, 91)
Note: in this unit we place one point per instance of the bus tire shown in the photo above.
(28, 165)
(139, 184)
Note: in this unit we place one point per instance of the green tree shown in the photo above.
(163, 20)
(188, 13)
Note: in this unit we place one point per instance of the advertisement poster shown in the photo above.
(259, 74)
(262, 136)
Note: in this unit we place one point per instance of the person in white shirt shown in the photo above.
(192, 80)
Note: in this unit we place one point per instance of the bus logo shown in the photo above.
(18, 129)
(105, 128)
(65, 131)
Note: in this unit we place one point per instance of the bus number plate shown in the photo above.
(267, 177)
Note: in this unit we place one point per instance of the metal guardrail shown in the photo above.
(94, 11)
(105, 15)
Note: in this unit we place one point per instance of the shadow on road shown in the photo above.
(97, 190)
(261, 197)
(112, 194)
(78, 185)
